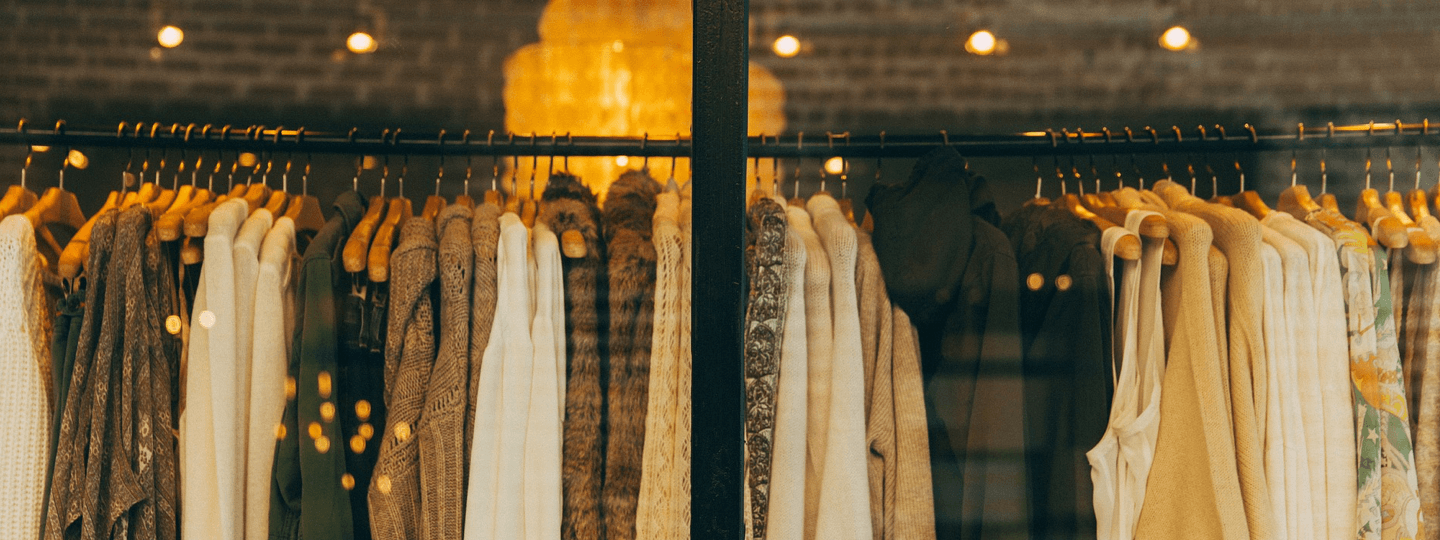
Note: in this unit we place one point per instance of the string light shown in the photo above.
(170, 36)
(835, 165)
(621, 161)
(787, 46)
(361, 43)
(1177, 38)
(982, 42)
(77, 159)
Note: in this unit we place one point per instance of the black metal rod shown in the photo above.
(1033, 143)
(720, 109)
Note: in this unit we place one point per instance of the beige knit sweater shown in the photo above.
(901, 499)
(1194, 489)
(24, 404)
(786, 518)
(273, 331)
(844, 505)
(820, 344)
(1237, 234)
(658, 506)
(441, 427)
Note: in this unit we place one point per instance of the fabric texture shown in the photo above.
(1399, 491)
(658, 509)
(785, 517)
(308, 496)
(24, 402)
(398, 509)
(1067, 348)
(484, 238)
(1423, 376)
(543, 492)
(629, 213)
(493, 505)
(274, 324)
(570, 206)
(246, 255)
(1195, 457)
(820, 344)
(764, 325)
(956, 278)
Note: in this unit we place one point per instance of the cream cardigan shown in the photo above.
(657, 507)
(24, 404)
(786, 514)
(212, 492)
(1332, 367)
(819, 346)
(543, 431)
(274, 309)
(844, 505)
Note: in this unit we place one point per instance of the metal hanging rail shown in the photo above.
(1146, 140)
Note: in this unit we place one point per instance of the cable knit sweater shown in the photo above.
(23, 404)
(1195, 448)
(441, 425)
(680, 526)
(569, 205)
(274, 309)
(844, 497)
(493, 505)
(1237, 234)
(629, 212)
(397, 489)
(785, 517)
(484, 238)
(1331, 366)
(820, 343)
(657, 507)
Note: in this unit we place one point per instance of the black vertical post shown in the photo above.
(720, 106)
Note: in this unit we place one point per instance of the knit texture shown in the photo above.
(657, 507)
(629, 211)
(1195, 449)
(902, 505)
(543, 494)
(274, 308)
(1331, 367)
(786, 515)
(484, 237)
(246, 253)
(155, 296)
(397, 493)
(26, 412)
(1423, 376)
(66, 504)
(680, 492)
(494, 506)
(844, 497)
(1237, 234)
(820, 343)
(764, 330)
(441, 425)
(570, 206)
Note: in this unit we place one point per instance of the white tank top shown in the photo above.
(1120, 462)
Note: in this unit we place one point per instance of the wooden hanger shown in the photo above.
(1154, 227)
(357, 248)
(304, 209)
(1421, 249)
(1419, 203)
(168, 226)
(77, 252)
(1389, 231)
(378, 259)
(1128, 248)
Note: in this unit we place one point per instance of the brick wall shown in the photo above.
(867, 65)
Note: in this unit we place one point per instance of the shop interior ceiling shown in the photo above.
(863, 66)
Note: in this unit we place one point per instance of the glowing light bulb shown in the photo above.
(786, 46)
(361, 43)
(982, 42)
(835, 165)
(170, 37)
(1177, 38)
(39, 148)
(246, 159)
(621, 161)
(78, 159)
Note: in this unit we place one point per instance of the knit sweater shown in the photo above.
(397, 490)
(274, 309)
(493, 506)
(246, 252)
(629, 212)
(440, 428)
(901, 501)
(764, 328)
(820, 343)
(844, 496)
(1195, 450)
(1237, 234)
(542, 489)
(24, 404)
(569, 205)
(1331, 366)
(484, 238)
(212, 490)
(657, 504)
(786, 515)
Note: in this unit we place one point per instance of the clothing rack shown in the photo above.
(1215, 139)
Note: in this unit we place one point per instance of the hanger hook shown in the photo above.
(799, 144)
(675, 155)
(550, 167)
(1369, 132)
(845, 169)
(645, 156)
(1424, 131)
(534, 163)
(879, 157)
(440, 173)
(64, 156)
(465, 142)
(404, 165)
(945, 137)
(29, 151)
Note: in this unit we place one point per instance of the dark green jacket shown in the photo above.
(308, 498)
